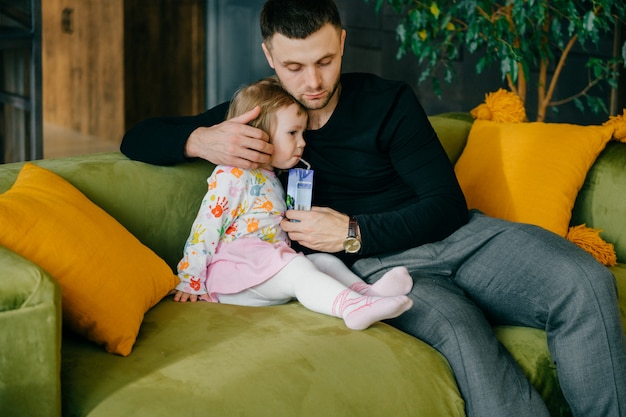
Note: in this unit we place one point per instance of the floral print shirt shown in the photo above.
(238, 204)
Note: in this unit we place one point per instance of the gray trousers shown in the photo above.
(494, 271)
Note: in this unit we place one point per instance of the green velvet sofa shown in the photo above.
(218, 360)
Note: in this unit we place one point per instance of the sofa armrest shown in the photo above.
(30, 339)
(600, 202)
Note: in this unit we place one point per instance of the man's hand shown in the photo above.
(322, 228)
(232, 142)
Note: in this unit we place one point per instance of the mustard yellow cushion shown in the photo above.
(619, 124)
(501, 106)
(528, 172)
(108, 278)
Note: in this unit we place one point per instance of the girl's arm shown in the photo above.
(216, 214)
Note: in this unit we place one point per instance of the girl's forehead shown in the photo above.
(292, 111)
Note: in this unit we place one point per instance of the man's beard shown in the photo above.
(317, 105)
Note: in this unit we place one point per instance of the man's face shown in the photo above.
(308, 69)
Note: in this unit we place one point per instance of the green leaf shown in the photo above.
(556, 30)
(579, 105)
(571, 28)
(506, 66)
(401, 32)
(434, 9)
(480, 65)
(597, 67)
(436, 87)
(472, 46)
(449, 75)
(435, 30)
(596, 104)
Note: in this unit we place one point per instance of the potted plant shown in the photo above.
(517, 36)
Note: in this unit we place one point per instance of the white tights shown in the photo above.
(322, 283)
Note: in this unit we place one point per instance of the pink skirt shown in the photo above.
(245, 263)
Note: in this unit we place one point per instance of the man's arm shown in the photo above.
(171, 140)
(439, 213)
(432, 208)
(321, 229)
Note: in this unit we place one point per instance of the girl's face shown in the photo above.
(288, 136)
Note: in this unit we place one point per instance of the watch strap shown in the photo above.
(353, 225)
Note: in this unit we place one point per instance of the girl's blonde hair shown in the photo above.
(267, 94)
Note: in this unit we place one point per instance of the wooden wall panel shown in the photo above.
(83, 77)
(121, 62)
(165, 58)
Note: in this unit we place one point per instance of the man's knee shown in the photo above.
(441, 313)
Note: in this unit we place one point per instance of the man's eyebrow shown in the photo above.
(290, 62)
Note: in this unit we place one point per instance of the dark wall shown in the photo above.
(235, 58)
(234, 55)
(372, 46)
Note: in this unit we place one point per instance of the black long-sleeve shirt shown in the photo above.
(377, 157)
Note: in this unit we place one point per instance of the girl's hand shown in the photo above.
(183, 297)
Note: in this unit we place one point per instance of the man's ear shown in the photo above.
(343, 40)
(268, 55)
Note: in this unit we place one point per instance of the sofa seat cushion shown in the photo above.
(619, 271)
(529, 348)
(223, 360)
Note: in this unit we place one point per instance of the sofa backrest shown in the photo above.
(157, 204)
(452, 130)
(601, 202)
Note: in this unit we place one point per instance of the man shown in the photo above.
(385, 195)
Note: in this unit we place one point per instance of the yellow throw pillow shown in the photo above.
(528, 172)
(501, 106)
(108, 278)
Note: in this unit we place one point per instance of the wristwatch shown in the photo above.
(352, 244)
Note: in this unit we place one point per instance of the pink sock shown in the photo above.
(395, 282)
(359, 312)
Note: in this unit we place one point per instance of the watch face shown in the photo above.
(352, 245)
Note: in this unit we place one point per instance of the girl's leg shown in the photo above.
(323, 294)
(396, 281)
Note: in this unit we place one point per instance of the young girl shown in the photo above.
(237, 253)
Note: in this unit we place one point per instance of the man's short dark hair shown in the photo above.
(297, 19)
